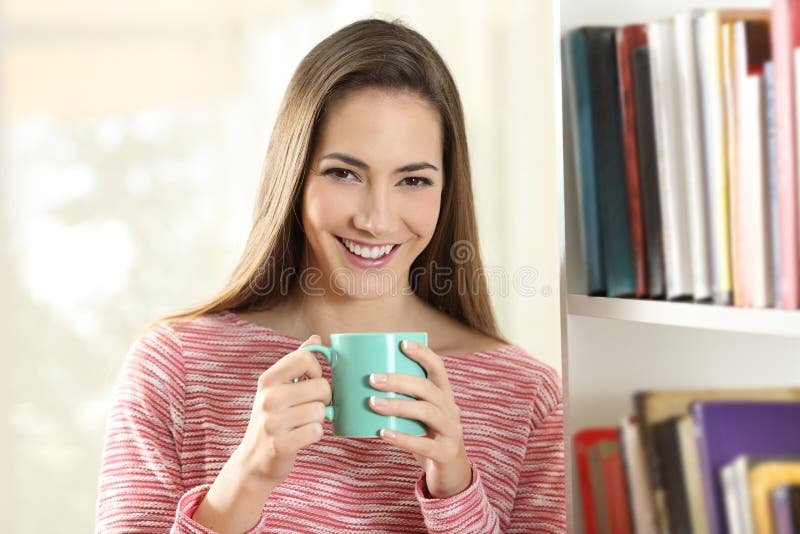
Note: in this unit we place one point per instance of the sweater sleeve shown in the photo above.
(140, 484)
(540, 504)
(465, 512)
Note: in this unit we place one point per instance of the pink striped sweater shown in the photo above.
(183, 402)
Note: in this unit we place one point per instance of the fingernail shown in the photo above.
(378, 401)
(386, 433)
(377, 378)
(408, 344)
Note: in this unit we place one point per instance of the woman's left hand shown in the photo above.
(441, 453)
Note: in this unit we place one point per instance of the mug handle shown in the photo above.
(325, 351)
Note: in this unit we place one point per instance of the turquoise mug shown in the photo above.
(353, 357)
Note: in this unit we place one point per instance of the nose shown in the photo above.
(376, 213)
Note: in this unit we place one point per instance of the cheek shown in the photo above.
(323, 205)
(423, 213)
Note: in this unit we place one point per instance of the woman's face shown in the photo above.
(373, 186)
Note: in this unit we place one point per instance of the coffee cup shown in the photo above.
(353, 357)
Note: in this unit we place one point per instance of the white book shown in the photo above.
(736, 493)
(731, 499)
(643, 509)
(712, 96)
(694, 160)
(752, 191)
(670, 155)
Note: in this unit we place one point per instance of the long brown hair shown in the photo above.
(366, 53)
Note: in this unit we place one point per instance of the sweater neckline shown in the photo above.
(236, 318)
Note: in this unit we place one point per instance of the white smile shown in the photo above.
(370, 253)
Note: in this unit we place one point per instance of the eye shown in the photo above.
(339, 174)
(417, 182)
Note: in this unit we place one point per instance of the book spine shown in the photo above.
(694, 167)
(648, 170)
(582, 141)
(609, 167)
(772, 183)
(783, 14)
(731, 127)
(677, 252)
(782, 510)
(709, 57)
(627, 38)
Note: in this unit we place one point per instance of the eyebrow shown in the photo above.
(355, 162)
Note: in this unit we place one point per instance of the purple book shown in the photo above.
(726, 429)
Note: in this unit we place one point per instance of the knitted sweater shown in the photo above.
(183, 401)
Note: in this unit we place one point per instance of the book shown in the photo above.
(627, 39)
(736, 494)
(693, 482)
(693, 154)
(641, 502)
(648, 170)
(668, 449)
(609, 166)
(712, 96)
(785, 37)
(751, 49)
(584, 440)
(763, 477)
(579, 103)
(602, 508)
(619, 514)
(770, 143)
(655, 406)
(725, 20)
(670, 160)
(786, 509)
(726, 429)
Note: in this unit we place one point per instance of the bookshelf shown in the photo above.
(614, 347)
(722, 319)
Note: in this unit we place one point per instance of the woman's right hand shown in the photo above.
(286, 415)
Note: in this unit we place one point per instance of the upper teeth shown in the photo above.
(367, 252)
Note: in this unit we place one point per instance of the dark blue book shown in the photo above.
(579, 102)
(593, 68)
(726, 429)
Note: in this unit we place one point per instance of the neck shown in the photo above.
(326, 314)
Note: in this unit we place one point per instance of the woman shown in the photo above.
(366, 173)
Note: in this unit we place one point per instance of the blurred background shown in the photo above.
(131, 140)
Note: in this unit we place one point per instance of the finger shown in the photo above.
(421, 445)
(312, 390)
(429, 360)
(424, 412)
(295, 417)
(302, 436)
(411, 385)
(295, 364)
(275, 399)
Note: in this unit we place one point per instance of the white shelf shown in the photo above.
(706, 316)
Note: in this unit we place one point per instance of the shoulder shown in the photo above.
(156, 350)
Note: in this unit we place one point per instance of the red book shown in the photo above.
(628, 38)
(583, 441)
(785, 36)
(616, 493)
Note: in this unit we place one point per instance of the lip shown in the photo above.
(364, 263)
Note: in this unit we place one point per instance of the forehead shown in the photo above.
(382, 126)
